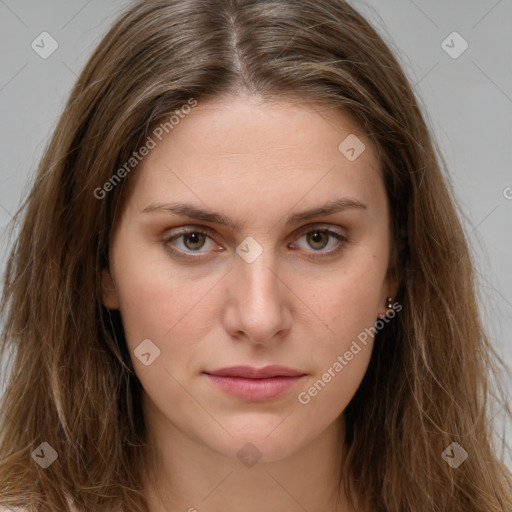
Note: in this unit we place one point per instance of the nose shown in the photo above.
(258, 307)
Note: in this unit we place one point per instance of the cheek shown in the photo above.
(167, 310)
(347, 306)
(170, 313)
(348, 301)
(153, 294)
(341, 357)
(326, 394)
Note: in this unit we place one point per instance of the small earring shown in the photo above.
(389, 303)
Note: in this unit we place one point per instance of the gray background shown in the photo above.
(467, 101)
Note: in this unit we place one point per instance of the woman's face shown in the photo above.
(253, 272)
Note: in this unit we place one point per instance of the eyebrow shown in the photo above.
(195, 212)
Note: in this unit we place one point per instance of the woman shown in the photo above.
(241, 282)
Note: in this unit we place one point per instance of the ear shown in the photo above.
(389, 289)
(394, 276)
(108, 290)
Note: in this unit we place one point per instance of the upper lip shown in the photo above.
(250, 372)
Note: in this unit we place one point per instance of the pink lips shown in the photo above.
(255, 384)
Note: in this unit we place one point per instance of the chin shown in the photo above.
(256, 440)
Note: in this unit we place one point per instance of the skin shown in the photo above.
(255, 162)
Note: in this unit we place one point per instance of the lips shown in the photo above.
(248, 372)
(255, 384)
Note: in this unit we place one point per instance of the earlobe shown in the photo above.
(108, 290)
(389, 298)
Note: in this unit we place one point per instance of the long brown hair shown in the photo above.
(71, 382)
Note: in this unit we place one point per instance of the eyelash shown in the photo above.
(314, 255)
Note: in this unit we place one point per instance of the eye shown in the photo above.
(319, 238)
(193, 240)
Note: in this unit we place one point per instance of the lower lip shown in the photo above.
(255, 390)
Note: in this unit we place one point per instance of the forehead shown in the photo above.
(250, 126)
(243, 150)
